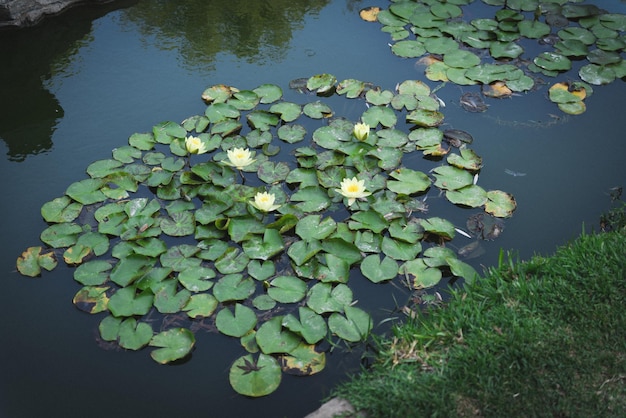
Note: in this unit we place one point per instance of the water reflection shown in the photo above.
(258, 31)
(29, 111)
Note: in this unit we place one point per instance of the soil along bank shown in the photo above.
(23, 13)
(545, 337)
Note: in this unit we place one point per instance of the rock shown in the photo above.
(23, 13)
(336, 407)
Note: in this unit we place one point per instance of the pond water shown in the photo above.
(79, 85)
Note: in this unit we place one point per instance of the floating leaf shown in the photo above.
(303, 361)
(31, 261)
(255, 378)
(378, 270)
(354, 327)
(420, 275)
(238, 324)
(174, 344)
(500, 204)
(61, 209)
(408, 49)
(92, 299)
(287, 289)
(233, 287)
(408, 181)
(311, 326)
(134, 335)
(126, 302)
(200, 305)
(323, 297)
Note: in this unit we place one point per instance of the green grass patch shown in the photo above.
(542, 338)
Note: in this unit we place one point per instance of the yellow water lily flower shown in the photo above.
(239, 157)
(361, 131)
(195, 145)
(264, 202)
(353, 189)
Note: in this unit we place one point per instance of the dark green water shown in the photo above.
(79, 85)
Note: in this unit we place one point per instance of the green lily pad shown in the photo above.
(425, 118)
(61, 235)
(462, 269)
(273, 338)
(379, 114)
(61, 209)
(233, 287)
(266, 247)
(312, 199)
(321, 83)
(238, 324)
(310, 325)
(438, 226)
(179, 224)
(379, 97)
(92, 299)
(324, 297)
(174, 344)
(167, 299)
(313, 227)
(127, 302)
(287, 289)
(218, 112)
(581, 34)
(378, 270)
(596, 74)
(355, 326)
(420, 275)
(87, 191)
(268, 93)
(232, 261)
(317, 110)
(500, 204)
(400, 250)
(261, 270)
(255, 378)
(408, 49)
(201, 305)
(461, 58)
(533, 29)
(351, 88)
(304, 360)
(31, 261)
(452, 178)
(93, 273)
(291, 133)
(134, 335)
(509, 50)
(408, 181)
(472, 196)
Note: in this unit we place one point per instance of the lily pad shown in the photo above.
(378, 270)
(174, 344)
(287, 289)
(255, 378)
(500, 204)
(355, 326)
(238, 324)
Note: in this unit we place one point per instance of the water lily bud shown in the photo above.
(195, 145)
(353, 189)
(361, 131)
(239, 157)
(264, 202)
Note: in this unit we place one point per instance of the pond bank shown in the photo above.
(546, 337)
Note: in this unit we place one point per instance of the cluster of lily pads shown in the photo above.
(210, 220)
(453, 49)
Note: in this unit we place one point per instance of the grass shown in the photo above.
(542, 338)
